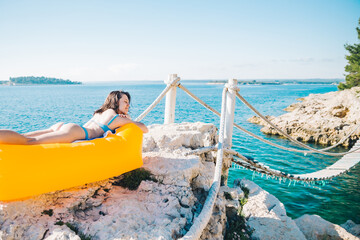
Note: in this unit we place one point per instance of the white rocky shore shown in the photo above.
(164, 206)
(320, 118)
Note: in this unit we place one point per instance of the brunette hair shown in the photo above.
(112, 101)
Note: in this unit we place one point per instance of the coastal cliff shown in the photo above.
(319, 118)
(161, 201)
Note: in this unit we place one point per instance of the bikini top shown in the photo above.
(105, 127)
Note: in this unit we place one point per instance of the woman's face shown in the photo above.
(124, 104)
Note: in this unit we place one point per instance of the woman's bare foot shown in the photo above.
(56, 127)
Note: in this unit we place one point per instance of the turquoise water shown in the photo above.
(28, 108)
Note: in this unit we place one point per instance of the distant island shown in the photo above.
(37, 81)
(280, 82)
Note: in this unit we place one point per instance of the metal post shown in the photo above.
(170, 102)
(230, 110)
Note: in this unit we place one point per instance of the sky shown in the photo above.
(115, 40)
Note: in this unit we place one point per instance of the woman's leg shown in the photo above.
(66, 134)
(53, 128)
(11, 137)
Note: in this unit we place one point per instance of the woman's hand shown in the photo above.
(125, 116)
(139, 124)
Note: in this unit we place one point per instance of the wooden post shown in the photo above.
(228, 128)
(230, 110)
(170, 101)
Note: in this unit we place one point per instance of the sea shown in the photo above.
(33, 107)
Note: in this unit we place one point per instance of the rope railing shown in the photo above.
(311, 150)
(294, 140)
(250, 163)
(199, 100)
(254, 135)
(339, 167)
(257, 166)
(158, 99)
(202, 220)
(292, 149)
(262, 168)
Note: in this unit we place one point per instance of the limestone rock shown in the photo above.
(319, 118)
(62, 233)
(226, 204)
(102, 210)
(314, 227)
(266, 215)
(178, 136)
(352, 228)
(162, 208)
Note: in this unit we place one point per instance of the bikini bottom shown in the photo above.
(86, 133)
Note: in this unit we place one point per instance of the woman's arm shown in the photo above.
(124, 120)
(141, 126)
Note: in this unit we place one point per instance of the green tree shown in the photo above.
(353, 67)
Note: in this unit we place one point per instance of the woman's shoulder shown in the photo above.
(109, 113)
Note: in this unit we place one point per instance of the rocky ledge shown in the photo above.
(161, 200)
(319, 118)
(266, 218)
(158, 201)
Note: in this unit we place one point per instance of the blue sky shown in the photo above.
(147, 40)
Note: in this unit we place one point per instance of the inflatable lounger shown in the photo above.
(28, 170)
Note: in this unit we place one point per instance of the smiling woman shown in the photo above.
(111, 115)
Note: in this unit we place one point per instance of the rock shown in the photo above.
(339, 111)
(266, 215)
(179, 136)
(215, 229)
(162, 207)
(231, 193)
(260, 121)
(352, 228)
(226, 205)
(292, 107)
(62, 233)
(102, 210)
(319, 118)
(314, 227)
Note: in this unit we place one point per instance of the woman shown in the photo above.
(111, 115)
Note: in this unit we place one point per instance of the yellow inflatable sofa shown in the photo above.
(29, 170)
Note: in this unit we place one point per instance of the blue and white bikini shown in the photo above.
(104, 127)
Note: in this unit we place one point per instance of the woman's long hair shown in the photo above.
(112, 101)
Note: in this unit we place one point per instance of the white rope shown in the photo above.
(252, 134)
(202, 150)
(199, 100)
(292, 139)
(312, 150)
(332, 171)
(158, 99)
(262, 168)
(254, 165)
(247, 163)
(203, 219)
(232, 87)
(286, 148)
